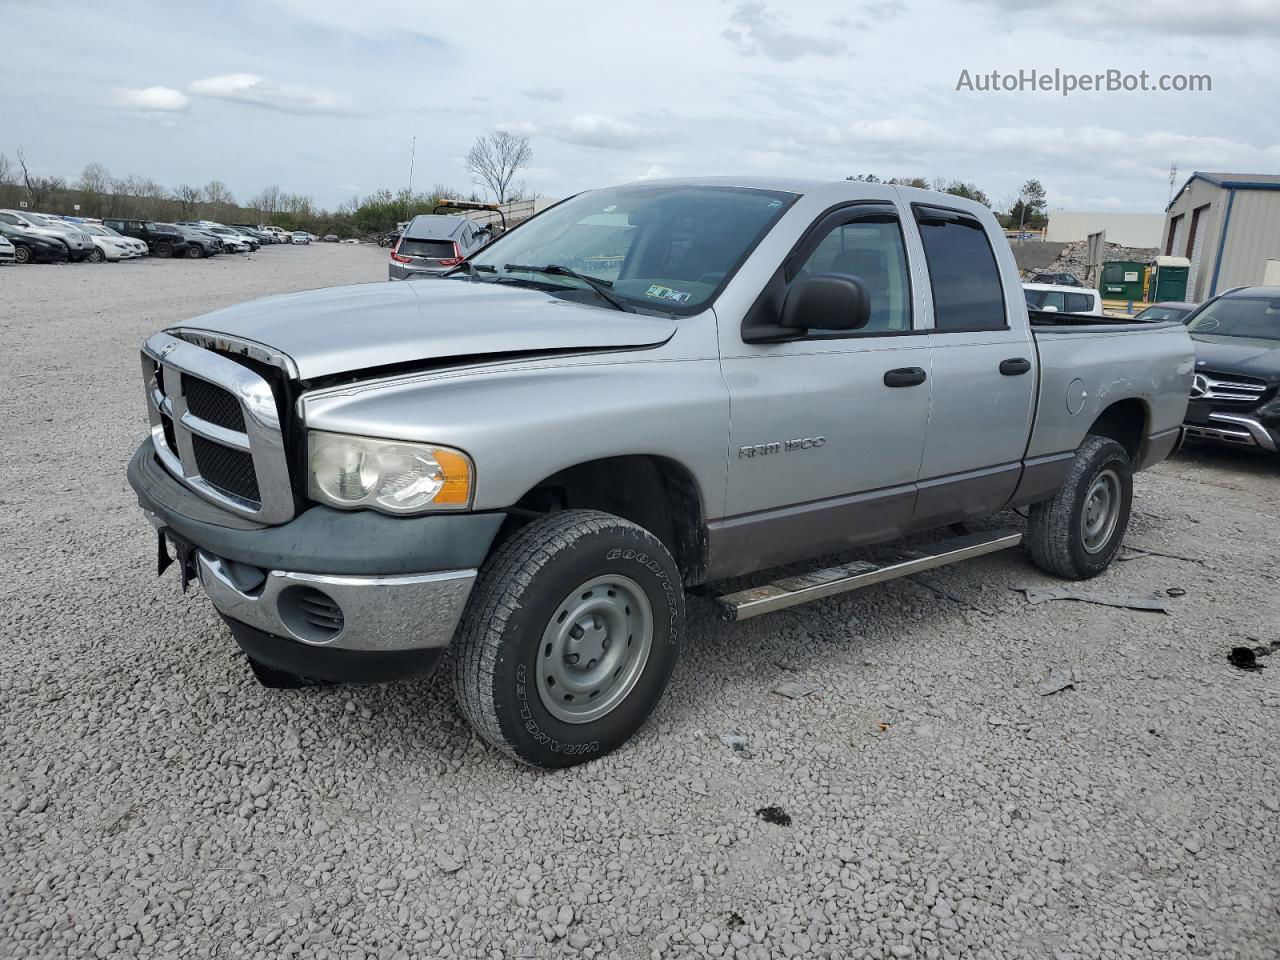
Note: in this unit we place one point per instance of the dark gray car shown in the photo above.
(434, 244)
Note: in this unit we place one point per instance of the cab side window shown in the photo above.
(1079, 303)
(873, 251)
(967, 294)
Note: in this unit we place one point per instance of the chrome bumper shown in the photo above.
(374, 614)
(1234, 429)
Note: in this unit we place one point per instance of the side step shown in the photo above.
(791, 591)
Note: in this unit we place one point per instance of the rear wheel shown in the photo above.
(1078, 533)
(569, 638)
(164, 250)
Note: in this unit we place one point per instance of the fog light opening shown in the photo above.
(310, 614)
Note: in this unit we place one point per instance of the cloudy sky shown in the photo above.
(324, 96)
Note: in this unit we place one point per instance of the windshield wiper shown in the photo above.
(472, 269)
(556, 270)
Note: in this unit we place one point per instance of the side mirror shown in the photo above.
(826, 301)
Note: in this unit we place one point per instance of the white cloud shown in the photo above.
(152, 99)
(549, 94)
(251, 89)
(754, 30)
(599, 130)
(1190, 17)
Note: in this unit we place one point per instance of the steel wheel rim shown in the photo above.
(594, 649)
(1101, 511)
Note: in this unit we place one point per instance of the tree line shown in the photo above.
(1027, 209)
(493, 161)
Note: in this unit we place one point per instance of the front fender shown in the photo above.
(522, 423)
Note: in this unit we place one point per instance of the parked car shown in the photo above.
(330, 238)
(255, 241)
(32, 247)
(281, 235)
(389, 239)
(77, 242)
(262, 236)
(1059, 279)
(1058, 298)
(433, 244)
(200, 242)
(1235, 396)
(533, 457)
(162, 239)
(110, 246)
(350, 240)
(301, 236)
(8, 252)
(1168, 310)
(232, 241)
(138, 247)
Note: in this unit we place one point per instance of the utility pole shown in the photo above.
(412, 151)
(1173, 177)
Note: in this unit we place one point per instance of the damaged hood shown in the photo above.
(363, 326)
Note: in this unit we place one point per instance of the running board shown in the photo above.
(791, 591)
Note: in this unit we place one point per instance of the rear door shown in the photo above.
(983, 372)
(824, 448)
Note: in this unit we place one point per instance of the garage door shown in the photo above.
(1196, 246)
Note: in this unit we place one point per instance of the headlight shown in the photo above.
(388, 475)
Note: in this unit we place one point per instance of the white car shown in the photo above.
(8, 252)
(1060, 298)
(109, 245)
(282, 235)
(349, 240)
(301, 236)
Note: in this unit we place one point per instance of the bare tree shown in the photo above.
(8, 174)
(39, 189)
(95, 189)
(188, 198)
(267, 201)
(495, 160)
(217, 194)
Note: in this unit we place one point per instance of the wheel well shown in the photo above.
(1125, 422)
(657, 493)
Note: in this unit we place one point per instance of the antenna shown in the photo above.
(412, 152)
(1173, 177)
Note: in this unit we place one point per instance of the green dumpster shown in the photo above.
(1169, 277)
(1122, 280)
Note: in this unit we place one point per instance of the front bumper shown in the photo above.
(330, 589)
(1235, 430)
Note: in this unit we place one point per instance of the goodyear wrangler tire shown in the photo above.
(569, 638)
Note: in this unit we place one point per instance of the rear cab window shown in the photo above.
(1079, 303)
(967, 291)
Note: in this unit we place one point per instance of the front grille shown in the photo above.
(216, 423)
(1227, 387)
(214, 404)
(226, 470)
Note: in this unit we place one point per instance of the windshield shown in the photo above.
(1256, 319)
(665, 247)
(36, 220)
(1162, 313)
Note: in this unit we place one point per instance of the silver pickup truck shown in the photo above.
(640, 390)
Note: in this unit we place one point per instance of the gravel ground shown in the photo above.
(926, 802)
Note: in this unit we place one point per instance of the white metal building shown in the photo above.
(1126, 229)
(1228, 226)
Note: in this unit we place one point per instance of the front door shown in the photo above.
(826, 432)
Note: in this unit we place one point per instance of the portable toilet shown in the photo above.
(1122, 280)
(1168, 279)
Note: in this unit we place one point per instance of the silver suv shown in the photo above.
(434, 244)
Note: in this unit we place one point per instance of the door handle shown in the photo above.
(1014, 366)
(904, 377)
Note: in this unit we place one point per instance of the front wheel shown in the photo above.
(164, 250)
(194, 252)
(22, 254)
(569, 638)
(1078, 533)
(97, 256)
